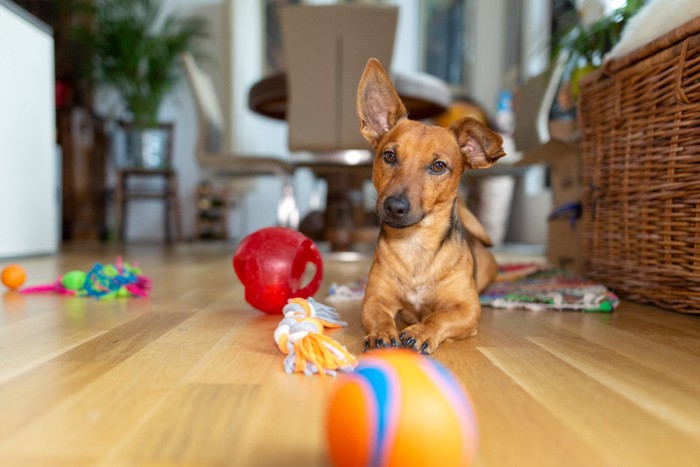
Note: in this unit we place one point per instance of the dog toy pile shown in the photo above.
(300, 336)
(121, 279)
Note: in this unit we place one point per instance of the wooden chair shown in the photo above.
(136, 182)
(211, 156)
(326, 48)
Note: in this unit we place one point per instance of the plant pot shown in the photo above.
(147, 147)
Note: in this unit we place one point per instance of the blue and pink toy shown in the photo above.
(121, 279)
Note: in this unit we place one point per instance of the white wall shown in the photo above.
(235, 51)
(236, 45)
(489, 52)
(502, 55)
(407, 57)
(145, 217)
(536, 30)
(28, 156)
(238, 64)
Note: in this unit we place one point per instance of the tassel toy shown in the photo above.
(300, 336)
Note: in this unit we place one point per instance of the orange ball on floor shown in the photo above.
(400, 408)
(13, 276)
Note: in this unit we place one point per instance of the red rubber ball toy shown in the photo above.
(270, 263)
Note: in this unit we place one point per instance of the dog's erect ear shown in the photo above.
(378, 105)
(480, 146)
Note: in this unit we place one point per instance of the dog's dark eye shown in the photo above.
(438, 167)
(389, 157)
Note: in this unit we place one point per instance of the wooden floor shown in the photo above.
(191, 376)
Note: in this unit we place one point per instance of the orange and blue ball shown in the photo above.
(400, 408)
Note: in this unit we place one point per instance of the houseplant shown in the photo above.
(134, 49)
(586, 43)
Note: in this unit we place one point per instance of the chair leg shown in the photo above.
(344, 217)
(120, 206)
(227, 203)
(167, 208)
(171, 217)
(176, 208)
(338, 216)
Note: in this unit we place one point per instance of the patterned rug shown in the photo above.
(528, 286)
(546, 288)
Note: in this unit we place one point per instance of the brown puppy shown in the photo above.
(430, 261)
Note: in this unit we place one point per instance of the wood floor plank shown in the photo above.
(671, 401)
(191, 376)
(17, 307)
(89, 423)
(665, 359)
(245, 355)
(617, 428)
(22, 356)
(671, 329)
(684, 323)
(124, 341)
(37, 459)
(32, 341)
(507, 328)
(197, 424)
(514, 427)
(288, 423)
(352, 336)
(101, 413)
(34, 393)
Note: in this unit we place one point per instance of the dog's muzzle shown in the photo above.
(396, 212)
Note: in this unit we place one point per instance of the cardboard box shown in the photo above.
(566, 169)
(564, 244)
(564, 130)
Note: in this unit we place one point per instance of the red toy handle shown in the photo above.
(311, 254)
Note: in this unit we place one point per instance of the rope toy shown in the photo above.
(300, 336)
(102, 282)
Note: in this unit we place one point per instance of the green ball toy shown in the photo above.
(73, 280)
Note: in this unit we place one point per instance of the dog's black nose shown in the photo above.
(396, 207)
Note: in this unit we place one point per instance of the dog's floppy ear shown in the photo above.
(378, 105)
(480, 146)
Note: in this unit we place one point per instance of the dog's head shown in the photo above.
(417, 167)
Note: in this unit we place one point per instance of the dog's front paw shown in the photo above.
(380, 340)
(417, 338)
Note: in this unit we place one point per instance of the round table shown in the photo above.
(424, 96)
(345, 221)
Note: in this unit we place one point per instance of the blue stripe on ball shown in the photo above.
(383, 380)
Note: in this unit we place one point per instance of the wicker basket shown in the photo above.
(640, 118)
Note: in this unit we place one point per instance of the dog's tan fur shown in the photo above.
(430, 261)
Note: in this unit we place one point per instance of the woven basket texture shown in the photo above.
(640, 121)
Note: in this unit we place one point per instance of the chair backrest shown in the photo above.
(211, 118)
(326, 49)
